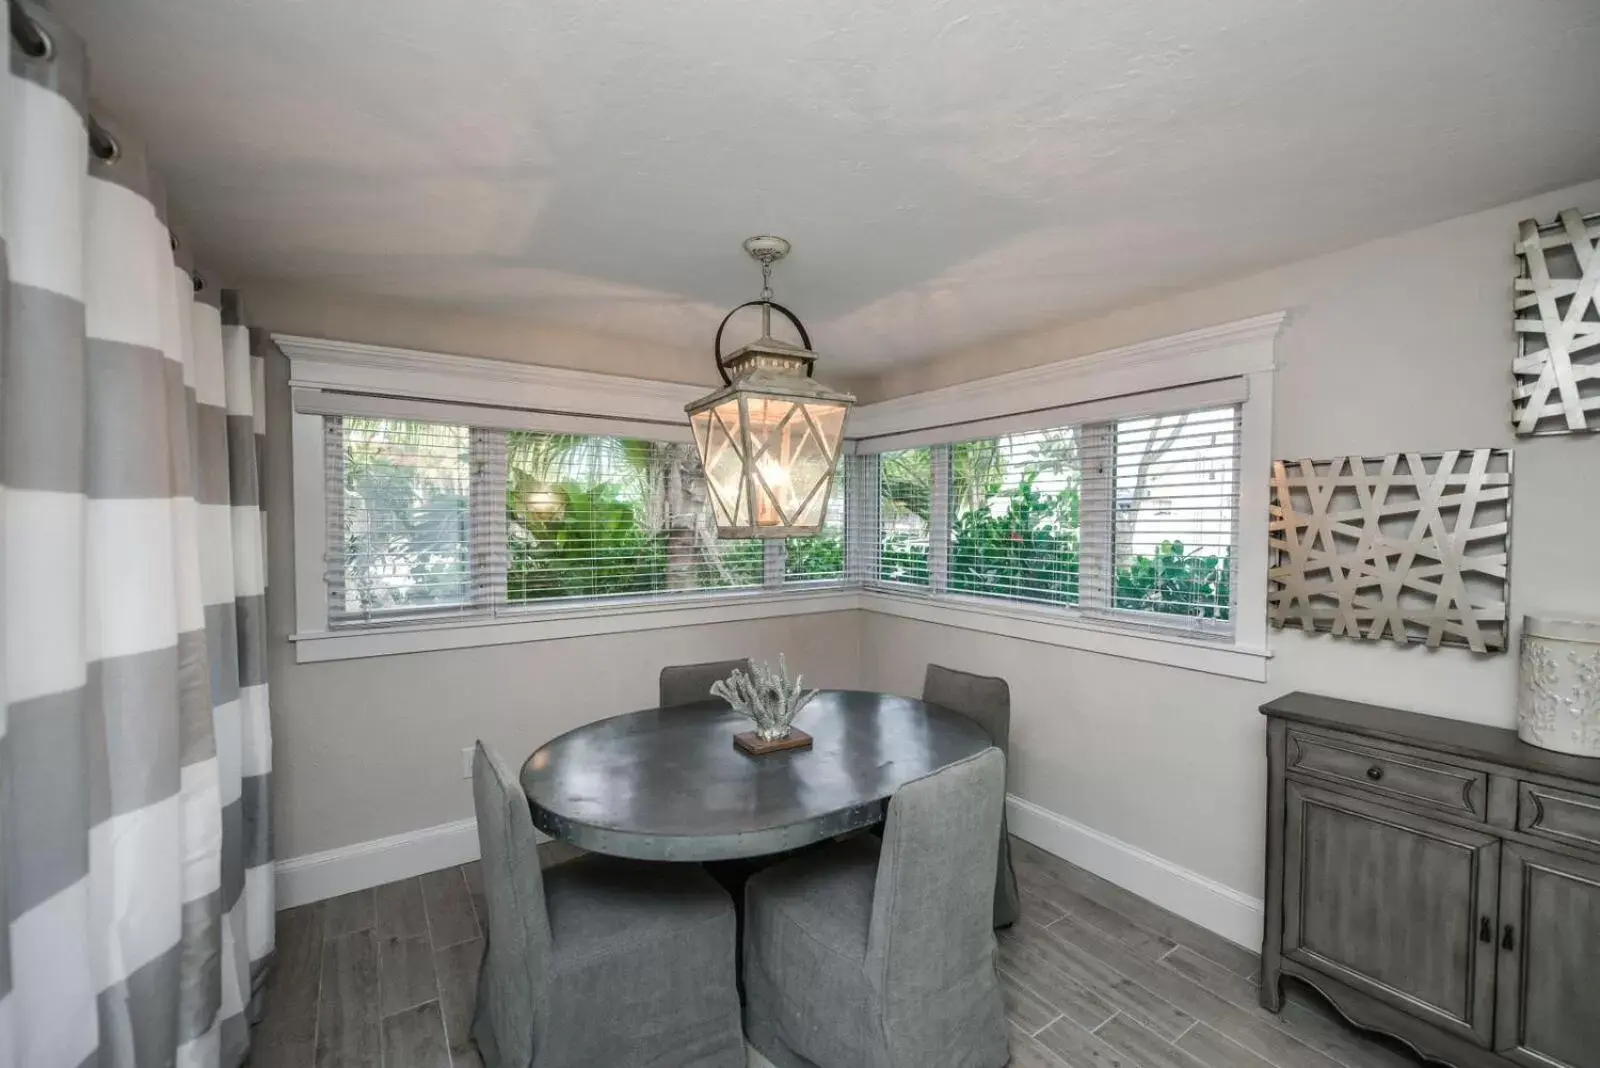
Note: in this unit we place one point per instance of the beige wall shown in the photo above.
(368, 748)
(1399, 344)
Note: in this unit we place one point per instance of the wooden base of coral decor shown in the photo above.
(750, 742)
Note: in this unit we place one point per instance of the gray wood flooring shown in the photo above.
(1094, 977)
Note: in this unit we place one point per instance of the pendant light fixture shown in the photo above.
(769, 439)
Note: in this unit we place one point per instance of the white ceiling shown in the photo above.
(948, 171)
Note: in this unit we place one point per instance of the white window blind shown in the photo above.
(398, 507)
(1176, 493)
(1014, 508)
(437, 519)
(905, 514)
(1133, 520)
(592, 517)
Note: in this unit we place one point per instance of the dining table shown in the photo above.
(668, 783)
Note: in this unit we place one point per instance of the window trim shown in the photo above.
(1071, 630)
(1241, 349)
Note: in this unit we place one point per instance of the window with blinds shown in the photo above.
(398, 504)
(1176, 493)
(905, 509)
(428, 519)
(596, 517)
(1134, 519)
(1014, 505)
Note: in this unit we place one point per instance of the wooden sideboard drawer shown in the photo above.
(1410, 778)
(1559, 815)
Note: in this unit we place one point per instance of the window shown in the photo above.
(821, 557)
(1014, 509)
(435, 519)
(1132, 521)
(1177, 513)
(398, 524)
(905, 511)
(601, 517)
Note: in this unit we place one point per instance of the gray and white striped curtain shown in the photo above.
(136, 911)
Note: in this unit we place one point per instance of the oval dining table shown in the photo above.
(668, 783)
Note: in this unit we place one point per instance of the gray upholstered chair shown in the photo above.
(986, 701)
(881, 954)
(683, 684)
(597, 961)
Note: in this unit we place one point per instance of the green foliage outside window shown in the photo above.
(1029, 551)
(1177, 582)
(810, 559)
(597, 517)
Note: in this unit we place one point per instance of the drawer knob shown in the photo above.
(1375, 773)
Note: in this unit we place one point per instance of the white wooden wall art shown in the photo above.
(1412, 547)
(1558, 326)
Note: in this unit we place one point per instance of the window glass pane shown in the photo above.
(905, 493)
(403, 515)
(1014, 517)
(600, 516)
(822, 556)
(1177, 494)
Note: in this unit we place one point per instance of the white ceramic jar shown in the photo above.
(1558, 699)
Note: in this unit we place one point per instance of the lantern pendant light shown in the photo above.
(769, 439)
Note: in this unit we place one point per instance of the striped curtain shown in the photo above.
(135, 754)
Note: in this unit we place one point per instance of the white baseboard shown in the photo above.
(1234, 915)
(332, 872)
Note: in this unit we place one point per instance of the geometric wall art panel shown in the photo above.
(1557, 319)
(1413, 547)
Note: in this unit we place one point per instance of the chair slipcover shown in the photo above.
(986, 701)
(683, 684)
(598, 961)
(882, 954)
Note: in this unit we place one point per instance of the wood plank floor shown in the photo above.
(1094, 977)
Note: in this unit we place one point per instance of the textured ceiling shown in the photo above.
(947, 171)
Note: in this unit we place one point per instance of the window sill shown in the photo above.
(1212, 657)
(1010, 620)
(533, 625)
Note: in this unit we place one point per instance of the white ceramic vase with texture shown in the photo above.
(1558, 700)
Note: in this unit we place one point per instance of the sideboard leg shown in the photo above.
(1271, 988)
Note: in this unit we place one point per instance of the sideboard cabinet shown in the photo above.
(1435, 880)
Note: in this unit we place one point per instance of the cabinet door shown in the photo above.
(1399, 906)
(1548, 1000)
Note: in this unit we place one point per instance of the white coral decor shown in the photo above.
(766, 696)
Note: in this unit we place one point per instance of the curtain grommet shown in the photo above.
(32, 38)
(103, 144)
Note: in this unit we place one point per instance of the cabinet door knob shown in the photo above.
(1374, 773)
(1508, 941)
(1485, 930)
